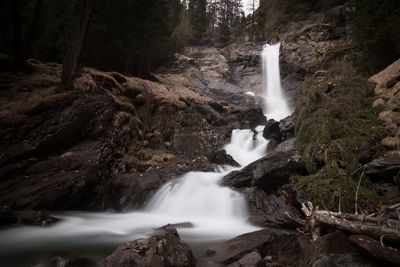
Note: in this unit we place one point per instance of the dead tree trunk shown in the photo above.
(357, 224)
(83, 14)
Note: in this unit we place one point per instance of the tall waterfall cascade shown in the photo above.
(276, 106)
(216, 212)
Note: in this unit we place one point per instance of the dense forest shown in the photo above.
(136, 37)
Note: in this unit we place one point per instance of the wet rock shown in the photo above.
(286, 127)
(272, 130)
(267, 209)
(279, 131)
(132, 190)
(342, 260)
(286, 146)
(267, 173)
(253, 117)
(222, 158)
(181, 225)
(37, 218)
(267, 242)
(249, 260)
(331, 243)
(164, 248)
(335, 249)
(71, 262)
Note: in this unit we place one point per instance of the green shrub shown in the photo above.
(330, 129)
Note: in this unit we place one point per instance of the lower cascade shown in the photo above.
(213, 211)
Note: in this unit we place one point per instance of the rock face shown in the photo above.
(164, 248)
(268, 173)
(313, 36)
(109, 141)
(286, 247)
(386, 169)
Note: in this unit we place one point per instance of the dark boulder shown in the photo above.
(249, 260)
(283, 245)
(253, 117)
(222, 158)
(279, 130)
(287, 127)
(164, 248)
(131, 190)
(335, 249)
(272, 131)
(286, 146)
(267, 173)
(384, 168)
(267, 209)
(331, 260)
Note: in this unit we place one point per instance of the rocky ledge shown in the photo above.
(106, 142)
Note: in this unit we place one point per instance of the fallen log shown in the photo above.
(374, 249)
(353, 223)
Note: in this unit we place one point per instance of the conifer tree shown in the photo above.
(198, 17)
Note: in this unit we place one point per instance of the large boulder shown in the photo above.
(286, 246)
(272, 130)
(279, 130)
(164, 248)
(267, 173)
(222, 158)
(335, 249)
(267, 209)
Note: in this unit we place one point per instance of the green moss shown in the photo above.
(330, 129)
(331, 185)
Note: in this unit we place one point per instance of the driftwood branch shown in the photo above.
(352, 223)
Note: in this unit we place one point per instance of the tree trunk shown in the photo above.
(81, 25)
(33, 31)
(358, 224)
(17, 34)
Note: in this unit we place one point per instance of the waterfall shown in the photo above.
(216, 212)
(276, 106)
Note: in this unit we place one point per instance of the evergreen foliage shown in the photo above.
(377, 31)
(198, 17)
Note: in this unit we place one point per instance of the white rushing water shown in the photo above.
(276, 106)
(216, 212)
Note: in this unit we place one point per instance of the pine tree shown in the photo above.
(198, 17)
(70, 62)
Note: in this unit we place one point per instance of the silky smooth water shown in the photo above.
(276, 106)
(216, 212)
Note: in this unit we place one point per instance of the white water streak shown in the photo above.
(276, 106)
